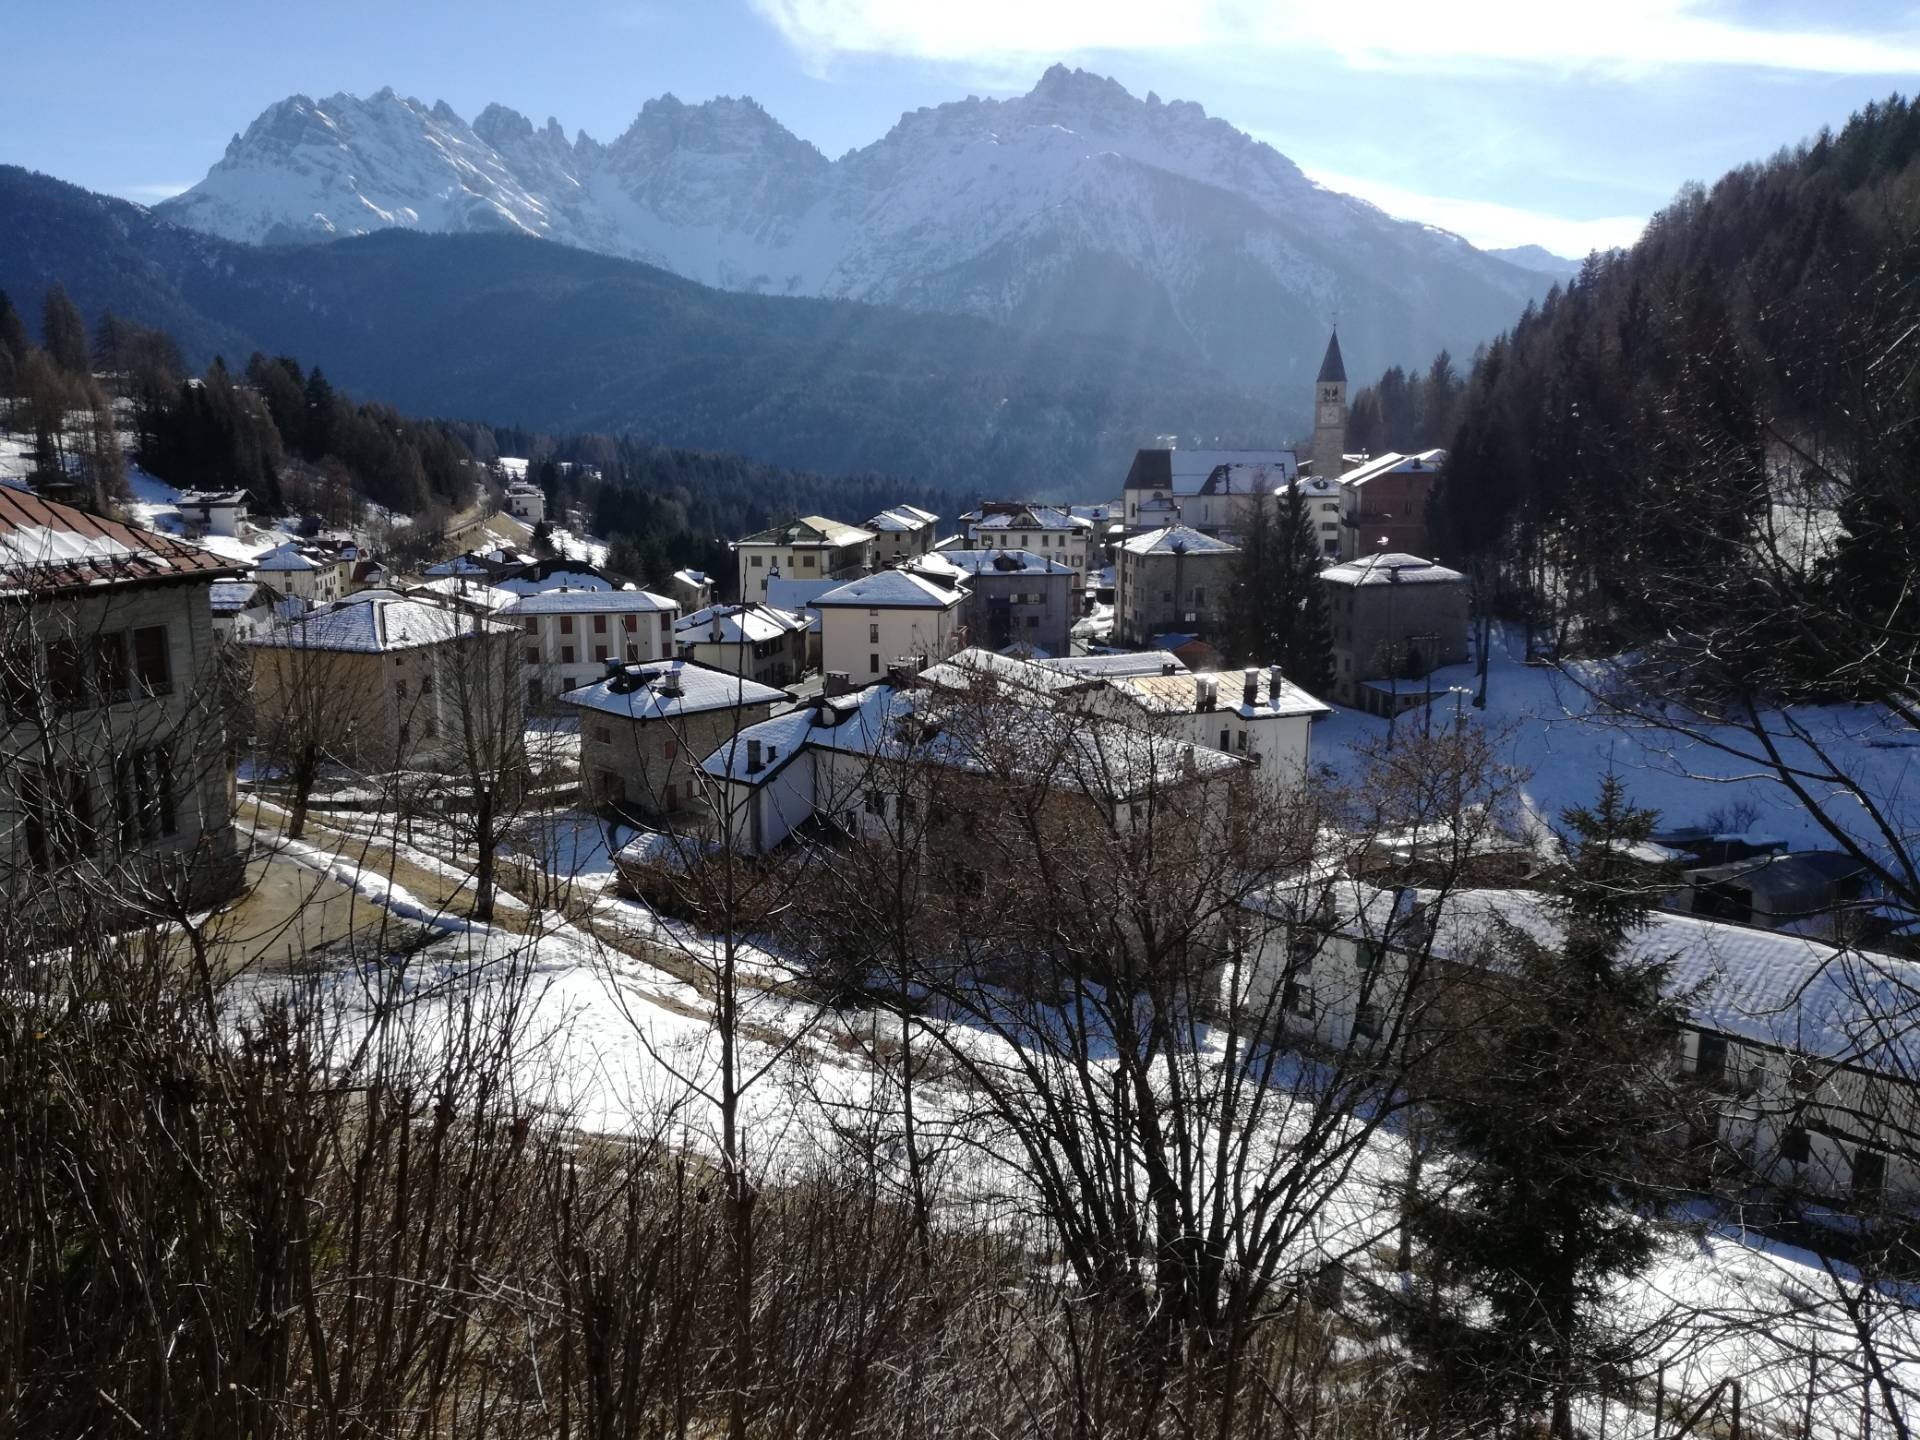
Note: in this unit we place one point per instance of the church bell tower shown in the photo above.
(1330, 413)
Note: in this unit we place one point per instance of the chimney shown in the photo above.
(715, 633)
(1274, 681)
(753, 756)
(669, 681)
(1250, 689)
(1167, 667)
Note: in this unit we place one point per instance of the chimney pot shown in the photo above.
(753, 756)
(1250, 691)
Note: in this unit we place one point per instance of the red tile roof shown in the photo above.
(48, 546)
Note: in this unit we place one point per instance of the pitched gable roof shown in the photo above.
(45, 545)
(1332, 368)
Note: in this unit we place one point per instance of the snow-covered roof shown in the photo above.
(966, 669)
(1181, 694)
(285, 559)
(1790, 991)
(695, 578)
(1195, 472)
(1178, 540)
(901, 518)
(667, 688)
(1100, 758)
(809, 530)
(375, 624)
(1390, 568)
(1126, 662)
(891, 590)
(956, 563)
(466, 589)
(1392, 462)
(1025, 517)
(46, 545)
(230, 597)
(589, 602)
(738, 625)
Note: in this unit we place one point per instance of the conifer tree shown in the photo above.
(63, 332)
(1553, 1092)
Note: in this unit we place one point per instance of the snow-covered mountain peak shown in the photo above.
(1076, 205)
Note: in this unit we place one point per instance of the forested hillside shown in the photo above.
(1705, 446)
(520, 331)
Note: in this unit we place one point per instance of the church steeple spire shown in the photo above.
(1330, 413)
(1333, 367)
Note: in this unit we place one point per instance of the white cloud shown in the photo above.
(1626, 35)
(1488, 224)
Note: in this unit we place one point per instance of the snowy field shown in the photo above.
(1563, 741)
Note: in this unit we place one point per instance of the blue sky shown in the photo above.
(1507, 120)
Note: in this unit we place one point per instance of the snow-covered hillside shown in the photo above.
(1075, 203)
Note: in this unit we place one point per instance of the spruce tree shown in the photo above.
(1553, 1094)
(14, 340)
(63, 332)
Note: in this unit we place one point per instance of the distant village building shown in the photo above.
(1325, 501)
(644, 729)
(1171, 581)
(240, 608)
(569, 636)
(756, 641)
(1206, 490)
(215, 512)
(1395, 618)
(901, 533)
(527, 502)
(1050, 530)
(870, 624)
(392, 680)
(810, 548)
(1015, 597)
(693, 589)
(1389, 503)
(1255, 714)
(111, 765)
(299, 575)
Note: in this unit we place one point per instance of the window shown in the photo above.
(110, 667)
(1796, 1148)
(59, 814)
(873, 612)
(1033, 622)
(809, 562)
(566, 624)
(566, 654)
(1199, 594)
(599, 624)
(1223, 739)
(531, 625)
(533, 654)
(1298, 999)
(603, 734)
(633, 651)
(669, 749)
(873, 663)
(66, 675)
(873, 634)
(876, 803)
(1366, 1021)
(153, 660)
(1869, 1174)
(1365, 955)
(1710, 1060)
(630, 623)
(1240, 741)
(600, 653)
(143, 796)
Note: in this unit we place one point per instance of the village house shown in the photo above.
(299, 575)
(901, 533)
(692, 589)
(239, 608)
(214, 512)
(1050, 530)
(882, 759)
(1388, 500)
(644, 729)
(1256, 713)
(870, 624)
(1171, 582)
(115, 765)
(810, 548)
(1395, 619)
(383, 680)
(1207, 490)
(526, 502)
(568, 636)
(1015, 597)
(558, 572)
(756, 641)
(1802, 1050)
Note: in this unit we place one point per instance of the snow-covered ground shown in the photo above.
(1551, 728)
